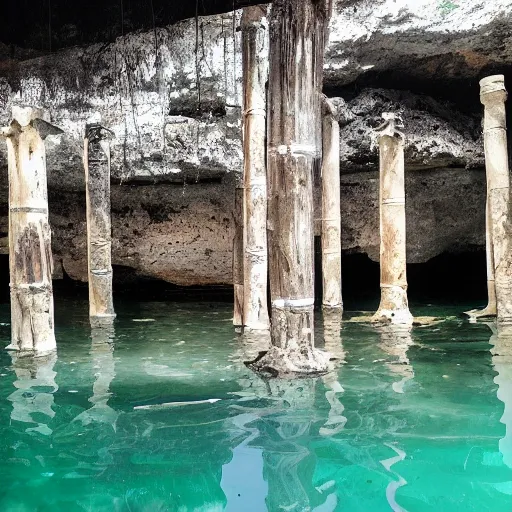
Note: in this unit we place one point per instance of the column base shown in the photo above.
(32, 324)
(505, 328)
(286, 362)
(393, 316)
(257, 328)
(332, 307)
(104, 320)
(491, 309)
(488, 311)
(43, 349)
(394, 307)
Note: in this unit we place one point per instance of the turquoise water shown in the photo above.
(414, 422)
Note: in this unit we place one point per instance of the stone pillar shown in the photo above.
(255, 71)
(331, 209)
(490, 309)
(30, 250)
(394, 307)
(238, 260)
(493, 96)
(99, 229)
(297, 40)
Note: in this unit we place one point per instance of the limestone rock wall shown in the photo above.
(173, 102)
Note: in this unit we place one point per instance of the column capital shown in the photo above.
(95, 132)
(37, 118)
(389, 127)
(328, 107)
(491, 85)
(254, 18)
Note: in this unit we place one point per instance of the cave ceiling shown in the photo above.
(48, 25)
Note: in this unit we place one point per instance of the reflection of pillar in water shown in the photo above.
(102, 354)
(394, 485)
(243, 475)
(282, 431)
(335, 420)
(502, 362)
(289, 463)
(35, 386)
(395, 341)
(332, 333)
(333, 345)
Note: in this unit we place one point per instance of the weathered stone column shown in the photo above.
(493, 96)
(331, 209)
(394, 307)
(297, 36)
(99, 229)
(238, 259)
(255, 72)
(30, 251)
(490, 309)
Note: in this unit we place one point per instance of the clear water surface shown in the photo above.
(417, 421)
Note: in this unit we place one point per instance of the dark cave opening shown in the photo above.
(445, 279)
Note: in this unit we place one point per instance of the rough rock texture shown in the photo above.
(164, 124)
(407, 42)
(176, 115)
(181, 234)
(444, 212)
(436, 134)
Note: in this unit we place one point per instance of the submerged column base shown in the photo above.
(394, 306)
(292, 352)
(261, 327)
(32, 318)
(102, 320)
(282, 362)
(490, 309)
